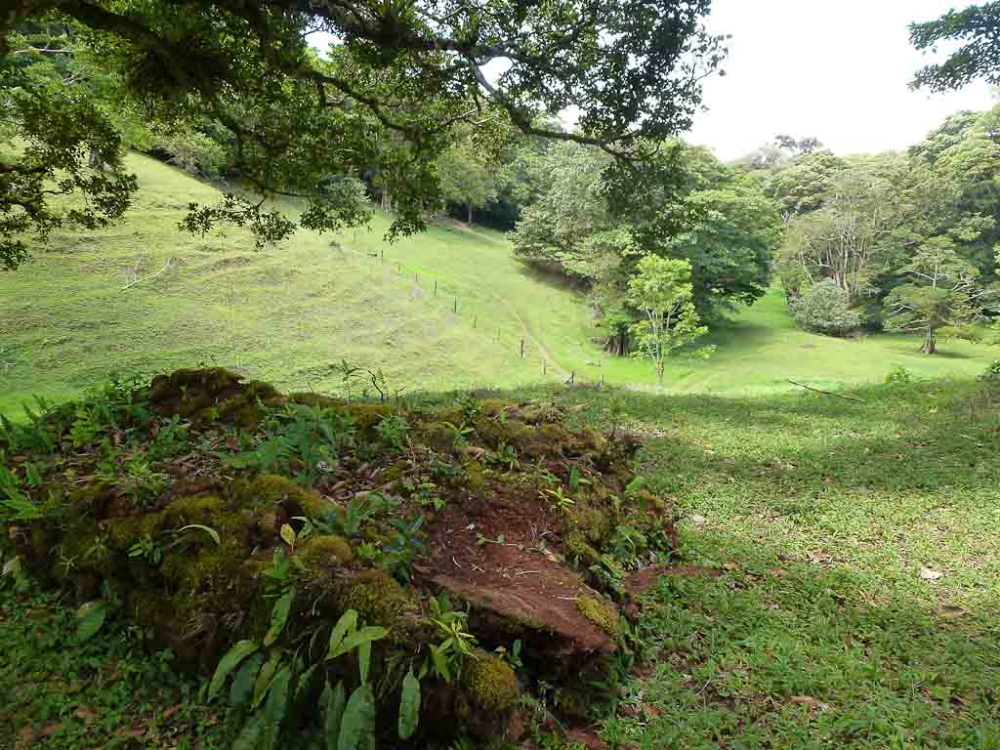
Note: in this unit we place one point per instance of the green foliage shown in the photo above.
(91, 617)
(446, 657)
(409, 706)
(976, 56)
(391, 431)
(403, 547)
(662, 290)
(942, 297)
(825, 308)
(300, 440)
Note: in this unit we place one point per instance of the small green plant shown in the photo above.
(992, 373)
(899, 374)
(513, 656)
(557, 499)
(403, 547)
(347, 521)
(457, 644)
(505, 455)
(392, 432)
(147, 549)
(14, 504)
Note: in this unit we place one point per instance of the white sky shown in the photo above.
(835, 70)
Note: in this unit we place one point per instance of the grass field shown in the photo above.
(288, 313)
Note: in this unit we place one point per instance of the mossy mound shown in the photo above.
(203, 501)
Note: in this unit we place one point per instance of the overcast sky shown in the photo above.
(837, 70)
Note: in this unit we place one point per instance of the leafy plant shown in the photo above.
(13, 501)
(403, 547)
(512, 657)
(557, 499)
(457, 644)
(392, 430)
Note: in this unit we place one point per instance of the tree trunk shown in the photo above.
(470, 214)
(659, 372)
(930, 342)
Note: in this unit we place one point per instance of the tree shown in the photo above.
(942, 298)
(688, 206)
(801, 186)
(662, 291)
(399, 80)
(978, 55)
(469, 176)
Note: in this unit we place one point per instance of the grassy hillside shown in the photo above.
(287, 313)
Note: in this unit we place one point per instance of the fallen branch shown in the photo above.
(129, 283)
(827, 393)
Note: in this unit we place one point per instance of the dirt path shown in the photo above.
(530, 337)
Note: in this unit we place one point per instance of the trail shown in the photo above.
(530, 337)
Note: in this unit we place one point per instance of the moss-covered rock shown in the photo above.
(213, 394)
(379, 600)
(490, 683)
(317, 400)
(602, 614)
(593, 523)
(271, 490)
(578, 547)
(324, 552)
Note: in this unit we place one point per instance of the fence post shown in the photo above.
(382, 256)
(435, 288)
(456, 305)
(475, 320)
(522, 348)
(544, 371)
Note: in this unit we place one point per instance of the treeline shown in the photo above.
(899, 241)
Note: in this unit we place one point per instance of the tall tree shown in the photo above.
(942, 297)
(469, 176)
(400, 77)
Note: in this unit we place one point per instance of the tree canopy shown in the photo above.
(399, 77)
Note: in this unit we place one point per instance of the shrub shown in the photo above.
(826, 309)
(992, 374)
(899, 374)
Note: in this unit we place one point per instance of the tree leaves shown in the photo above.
(409, 706)
(230, 660)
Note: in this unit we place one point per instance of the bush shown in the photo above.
(899, 374)
(992, 374)
(826, 309)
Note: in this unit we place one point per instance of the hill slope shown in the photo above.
(286, 314)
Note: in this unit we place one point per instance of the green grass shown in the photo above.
(822, 514)
(109, 692)
(287, 313)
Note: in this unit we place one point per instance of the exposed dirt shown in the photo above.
(520, 578)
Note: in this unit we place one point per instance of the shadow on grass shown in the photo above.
(790, 654)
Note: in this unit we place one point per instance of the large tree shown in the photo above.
(398, 79)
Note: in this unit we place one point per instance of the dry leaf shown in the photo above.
(930, 575)
(778, 572)
(729, 566)
(698, 520)
(808, 700)
(950, 613)
(818, 558)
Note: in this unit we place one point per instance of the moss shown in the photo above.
(601, 613)
(593, 523)
(475, 478)
(269, 490)
(378, 600)
(577, 546)
(490, 682)
(210, 394)
(323, 552)
(436, 435)
(316, 400)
